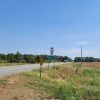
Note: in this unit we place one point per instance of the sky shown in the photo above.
(33, 26)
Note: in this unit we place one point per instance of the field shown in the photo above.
(66, 82)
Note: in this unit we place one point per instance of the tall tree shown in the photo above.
(18, 57)
(11, 58)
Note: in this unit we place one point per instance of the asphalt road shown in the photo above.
(9, 70)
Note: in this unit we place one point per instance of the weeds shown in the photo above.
(73, 87)
(3, 81)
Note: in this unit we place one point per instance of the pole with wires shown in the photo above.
(81, 54)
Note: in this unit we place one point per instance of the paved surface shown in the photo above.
(9, 70)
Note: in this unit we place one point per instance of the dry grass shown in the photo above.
(91, 64)
(12, 93)
(56, 82)
(94, 65)
(17, 87)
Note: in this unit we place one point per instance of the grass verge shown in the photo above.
(61, 83)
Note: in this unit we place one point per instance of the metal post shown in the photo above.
(48, 64)
(40, 70)
(54, 64)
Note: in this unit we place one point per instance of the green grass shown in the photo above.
(64, 84)
(3, 81)
(61, 82)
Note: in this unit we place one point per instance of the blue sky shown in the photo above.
(33, 26)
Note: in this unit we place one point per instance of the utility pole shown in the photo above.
(81, 54)
(81, 50)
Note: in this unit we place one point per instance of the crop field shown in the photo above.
(71, 81)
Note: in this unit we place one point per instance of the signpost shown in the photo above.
(40, 60)
(41, 64)
(51, 58)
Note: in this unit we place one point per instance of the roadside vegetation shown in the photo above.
(86, 59)
(61, 82)
(18, 58)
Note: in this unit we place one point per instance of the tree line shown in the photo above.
(86, 59)
(29, 58)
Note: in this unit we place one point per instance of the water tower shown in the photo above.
(51, 51)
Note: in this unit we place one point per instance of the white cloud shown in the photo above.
(82, 43)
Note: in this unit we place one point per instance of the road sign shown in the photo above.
(51, 58)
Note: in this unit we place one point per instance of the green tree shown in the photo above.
(3, 58)
(40, 60)
(10, 58)
(18, 57)
(29, 58)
